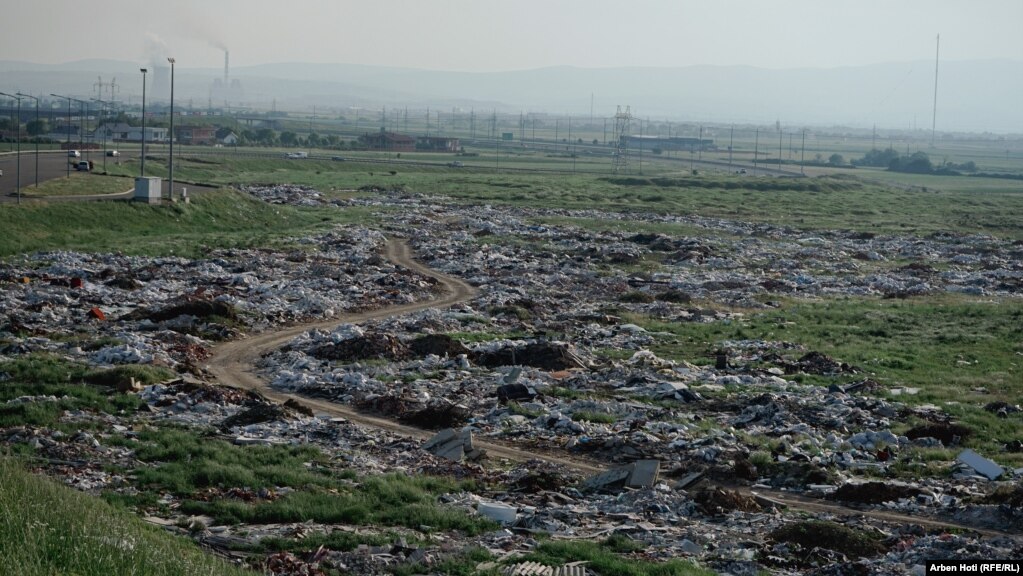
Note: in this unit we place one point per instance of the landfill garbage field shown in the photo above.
(450, 387)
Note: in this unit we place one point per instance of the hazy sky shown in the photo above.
(480, 35)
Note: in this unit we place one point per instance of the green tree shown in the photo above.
(266, 136)
(288, 138)
(836, 159)
(37, 127)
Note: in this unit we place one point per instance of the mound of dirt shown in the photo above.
(383, 346)
(948, 433)
(198, 308)
(437, 415)
(818, 534)
(437, 344)
(874, 492)
(718, 501)
(544, 355)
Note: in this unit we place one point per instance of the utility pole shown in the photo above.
(780, 135)
(170, 168)
(802, 154)
(934, 116)
(37, 138)
(731, 136)
(756, 150)
(701, 144)
(17, 124)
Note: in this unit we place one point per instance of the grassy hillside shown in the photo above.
(215, 219)
(50, 529)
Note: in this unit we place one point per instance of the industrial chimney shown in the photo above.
(226, 55)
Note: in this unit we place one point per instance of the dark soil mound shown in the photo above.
(874, 492)
(717, 501)
(813, 534)
(674, 296)
(437, 344)
(543, 355)
(437, 416)
(384, 346)
(197, 308)
(948, 433)
(255, 415)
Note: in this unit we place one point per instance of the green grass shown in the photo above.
(947, 346)
(594, 417)
(80, 184)
(183, 461)
(388, 500)
(214, 219)
(604, 559)
(45, 375)
(186, 463)
(50, 529)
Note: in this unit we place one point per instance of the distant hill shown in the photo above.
(972, 95)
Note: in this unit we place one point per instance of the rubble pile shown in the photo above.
(701, 460)
(285, 194)
(171, 309)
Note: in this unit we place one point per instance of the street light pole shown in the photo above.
(142, 170)
(68, 143)
(17, 171)
(170, 186)
(37, 136)
(83, 108)
(103, 105)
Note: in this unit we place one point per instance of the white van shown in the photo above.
(74, 154)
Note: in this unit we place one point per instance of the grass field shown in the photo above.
(217, 219)
(80, 184)
(915, 205)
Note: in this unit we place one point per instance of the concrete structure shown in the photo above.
(122, 132)
(147, 189)
(437, 144)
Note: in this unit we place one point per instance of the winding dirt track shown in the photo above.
(233, 364)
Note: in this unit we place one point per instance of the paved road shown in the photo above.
(51, 165)
(55, 165)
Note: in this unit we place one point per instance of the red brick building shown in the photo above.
(199, 135)
(389, 141)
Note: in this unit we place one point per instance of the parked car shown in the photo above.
(83, 166)
(113, 153)
(74, 154)
(338, 158)
(456, 164)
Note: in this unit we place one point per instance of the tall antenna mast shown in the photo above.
(620, 159)
(934, 115)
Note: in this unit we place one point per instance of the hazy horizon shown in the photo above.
(481, 36)
(795, 62)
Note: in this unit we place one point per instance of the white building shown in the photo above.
(122, 132)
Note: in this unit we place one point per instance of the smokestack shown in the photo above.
(226, 55)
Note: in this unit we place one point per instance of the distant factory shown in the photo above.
(226, 91)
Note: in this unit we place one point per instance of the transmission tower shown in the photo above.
(621, 153)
